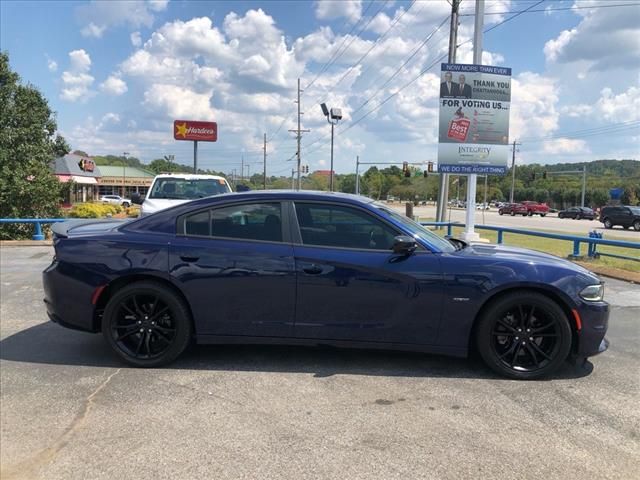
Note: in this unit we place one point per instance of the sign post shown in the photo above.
(195, 131)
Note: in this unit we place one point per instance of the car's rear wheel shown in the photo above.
(607, 223)
(147, 324)
(513, 213)
(636, 225)
(579, 216)
(530, 213)
(524, 336)
(543, 214)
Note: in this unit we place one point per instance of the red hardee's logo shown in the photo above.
(86, 165)
(191, 130)
(459, 129)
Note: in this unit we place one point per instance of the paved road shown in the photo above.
(70, 411)
(535, 222)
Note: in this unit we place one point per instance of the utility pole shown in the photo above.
(242, 168)
(298, 133)
(513, 169)
(357, 175)
(469, 233)
(584, 183)
(443, 188)
(264, 163)
(293, 172)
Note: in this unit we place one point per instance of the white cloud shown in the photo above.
(332, 9)
(136, 39)
(533, 106)
(52, 65)
(92, 30)
(77, 79)
(576, 111)
(178, 102)
(158, 5)
(620, 108)
(565, 146)
(605, 38)
(98, 16)
(114, 85)
(110, 118)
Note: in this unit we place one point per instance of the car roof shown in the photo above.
(189, 176)
(275, 195)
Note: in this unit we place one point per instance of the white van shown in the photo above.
(171, 189)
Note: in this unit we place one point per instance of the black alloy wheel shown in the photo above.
(607, 223)
(524, 336)
(500, 212)
(636, 225)
(561, 215)
(147, 324)
(579, 216)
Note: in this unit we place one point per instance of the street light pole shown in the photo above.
(331, 172)
(334, 114)
(124, 173)
(357, 175)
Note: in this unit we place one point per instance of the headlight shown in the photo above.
(593, 293)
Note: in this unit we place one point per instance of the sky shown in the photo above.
(117, 73)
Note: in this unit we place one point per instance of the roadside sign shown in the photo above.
(474, 119)
(195, 131)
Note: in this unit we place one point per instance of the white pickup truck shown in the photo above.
(171, 189)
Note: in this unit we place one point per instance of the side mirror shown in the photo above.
(137, 198)
(404, 245)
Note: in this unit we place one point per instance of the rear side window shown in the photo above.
(337, 226)
(255, 221)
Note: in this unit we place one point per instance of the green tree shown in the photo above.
(28, 145)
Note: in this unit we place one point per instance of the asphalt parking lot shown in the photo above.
(69, 410)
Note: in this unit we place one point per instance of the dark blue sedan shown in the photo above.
(314, 268)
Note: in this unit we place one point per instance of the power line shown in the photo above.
(550, 9)
(605, 130)
(335, 56)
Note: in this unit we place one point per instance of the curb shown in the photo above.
(26, 243)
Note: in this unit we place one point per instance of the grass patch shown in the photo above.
(561, 248)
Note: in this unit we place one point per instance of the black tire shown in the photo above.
(500, 212)
(125, 204)
(636, 225)
(513, 214)
(543, 214)
(530, 213)
(149, 306)
(561, 215)
(607, 223)
(579, 216)
(543, 349)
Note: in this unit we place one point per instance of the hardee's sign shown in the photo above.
(192, 130)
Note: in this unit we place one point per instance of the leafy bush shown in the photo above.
(94, 210)
(133, 211)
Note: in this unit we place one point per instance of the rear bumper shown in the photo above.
(595, 321)
(68, 300)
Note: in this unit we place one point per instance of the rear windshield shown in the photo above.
(635, 210)
(184, 189)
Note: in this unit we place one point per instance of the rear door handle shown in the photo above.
(312, 269)
(189, 259)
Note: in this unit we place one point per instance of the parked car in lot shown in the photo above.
(310, 268)
(535, 208)
(116, 200)
(512, 209)
(168, 190)
(577, 213)
(623, 215)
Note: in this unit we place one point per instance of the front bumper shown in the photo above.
(595, 321)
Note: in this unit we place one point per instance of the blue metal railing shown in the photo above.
(592, 241)
(37, 222)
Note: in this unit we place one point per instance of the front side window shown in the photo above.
(188, 189)
(344, 227)
(255, 221)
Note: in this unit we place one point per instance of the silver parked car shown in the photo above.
(116, 200)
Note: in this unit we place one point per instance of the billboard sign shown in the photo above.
(192, 130)
(474, 119)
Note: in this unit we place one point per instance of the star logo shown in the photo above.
(182, 130)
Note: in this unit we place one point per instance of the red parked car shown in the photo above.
(513, 209)
(535, 208)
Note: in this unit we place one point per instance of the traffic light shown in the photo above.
(544, 174)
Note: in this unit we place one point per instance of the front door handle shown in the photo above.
(189, 259)
(312, 269)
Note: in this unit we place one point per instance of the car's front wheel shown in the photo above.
(523, 336)
(147, 324)
(607, 223)
(125, 204)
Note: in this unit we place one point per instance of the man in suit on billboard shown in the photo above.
(448, 89)
(464, 90)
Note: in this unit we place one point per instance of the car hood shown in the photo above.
(153, 205)
(524, 255)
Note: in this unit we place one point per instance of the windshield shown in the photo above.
(186, 189)
(635, 210)
(417, 230)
